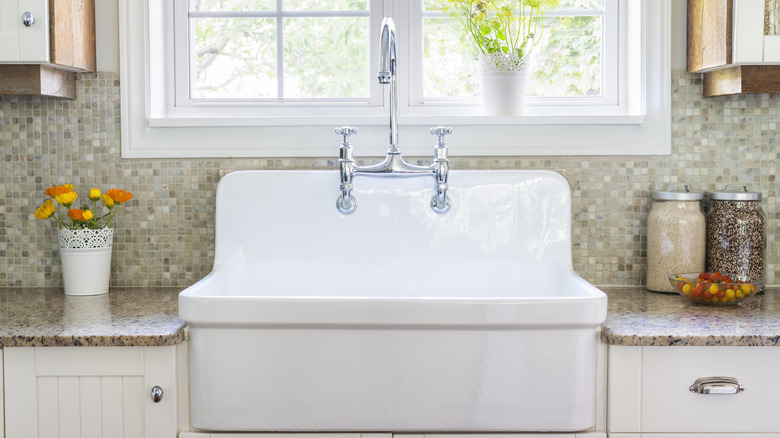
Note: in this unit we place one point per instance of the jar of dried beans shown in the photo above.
(675, 236)
(736, 233)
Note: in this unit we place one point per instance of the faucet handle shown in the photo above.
(346, 131)
(441, 131)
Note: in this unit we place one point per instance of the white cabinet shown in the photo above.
(19, 42)
(42, 44)
(649, 391)
(751, 44)
(90, 392)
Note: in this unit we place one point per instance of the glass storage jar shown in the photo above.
(676, 229)
(736, 233)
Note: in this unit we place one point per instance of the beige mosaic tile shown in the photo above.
(165, 236)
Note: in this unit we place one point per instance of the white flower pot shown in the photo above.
(86, 260)
(503, 78)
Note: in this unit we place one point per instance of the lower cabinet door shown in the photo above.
(717, 404)
(90, 392)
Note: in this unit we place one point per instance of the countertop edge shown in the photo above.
(94, 340)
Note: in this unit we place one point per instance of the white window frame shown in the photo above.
(148, 131)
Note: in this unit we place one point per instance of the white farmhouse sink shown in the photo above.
(394, 318)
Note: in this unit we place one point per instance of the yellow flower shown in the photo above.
(53, 191)
(45, 211)
(66, 198)
(108, 201)
(94, 194)
(119, 196)
(87, 215)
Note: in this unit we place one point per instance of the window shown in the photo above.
(214, 79)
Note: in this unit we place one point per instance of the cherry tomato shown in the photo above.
(716, 277)
(727, 279)
(721, 294)
(707, 295)
(697, 290)
(704, 276)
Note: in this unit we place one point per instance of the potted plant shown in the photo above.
(85, 238)
(503, 33)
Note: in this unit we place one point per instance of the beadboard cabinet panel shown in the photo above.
(90, 392)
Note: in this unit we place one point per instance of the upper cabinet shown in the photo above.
(736, 44)
(42, 44)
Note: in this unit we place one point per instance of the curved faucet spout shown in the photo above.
(388, 63)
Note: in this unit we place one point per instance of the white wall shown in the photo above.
(107, 29)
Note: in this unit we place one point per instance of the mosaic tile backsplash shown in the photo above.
(165, 236)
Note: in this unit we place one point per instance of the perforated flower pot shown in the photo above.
(86, 260)
(503, 78)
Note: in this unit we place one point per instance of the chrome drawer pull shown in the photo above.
(716, 385)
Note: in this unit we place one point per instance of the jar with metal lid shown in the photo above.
(676, 231)
(736, 233)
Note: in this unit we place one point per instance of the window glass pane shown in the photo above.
(449, 63)
(580, 4)
(568, 61)
(434, 5)
(232, 5)
(325, 5)
(233, 58)
(326, 57)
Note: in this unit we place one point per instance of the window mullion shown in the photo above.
(279, 50)
(179, 78)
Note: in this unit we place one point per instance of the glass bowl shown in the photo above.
(714, 288)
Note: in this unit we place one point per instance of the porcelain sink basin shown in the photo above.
(394, 318)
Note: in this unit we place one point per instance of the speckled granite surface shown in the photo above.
(37, 317)
(638, 317)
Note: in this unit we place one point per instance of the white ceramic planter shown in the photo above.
(503, 78)
(86, 260)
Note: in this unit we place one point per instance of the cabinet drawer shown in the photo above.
(669, 406)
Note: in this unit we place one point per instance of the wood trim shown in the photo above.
(710, 24)
(38, 80)
(742, 79)
(72, 26)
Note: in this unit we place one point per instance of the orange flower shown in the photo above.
(119, 196)
(76, 214)
(58, 190)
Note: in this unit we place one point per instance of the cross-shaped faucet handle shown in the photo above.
(346, 131)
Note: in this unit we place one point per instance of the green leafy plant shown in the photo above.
(501, 26)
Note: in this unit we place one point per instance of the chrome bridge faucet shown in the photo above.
(393, 164)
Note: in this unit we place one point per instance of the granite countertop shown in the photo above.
(636, 316)
(37, 317)
(46, 317)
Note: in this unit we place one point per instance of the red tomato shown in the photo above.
(715, 277)
(707, 295)
(704, 276)
(721, 294)
(697, 290)
(727, 279)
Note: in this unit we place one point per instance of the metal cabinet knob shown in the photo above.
(28, 19)
(157, 394)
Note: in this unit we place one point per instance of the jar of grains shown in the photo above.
(676, 230)
(736, 233)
